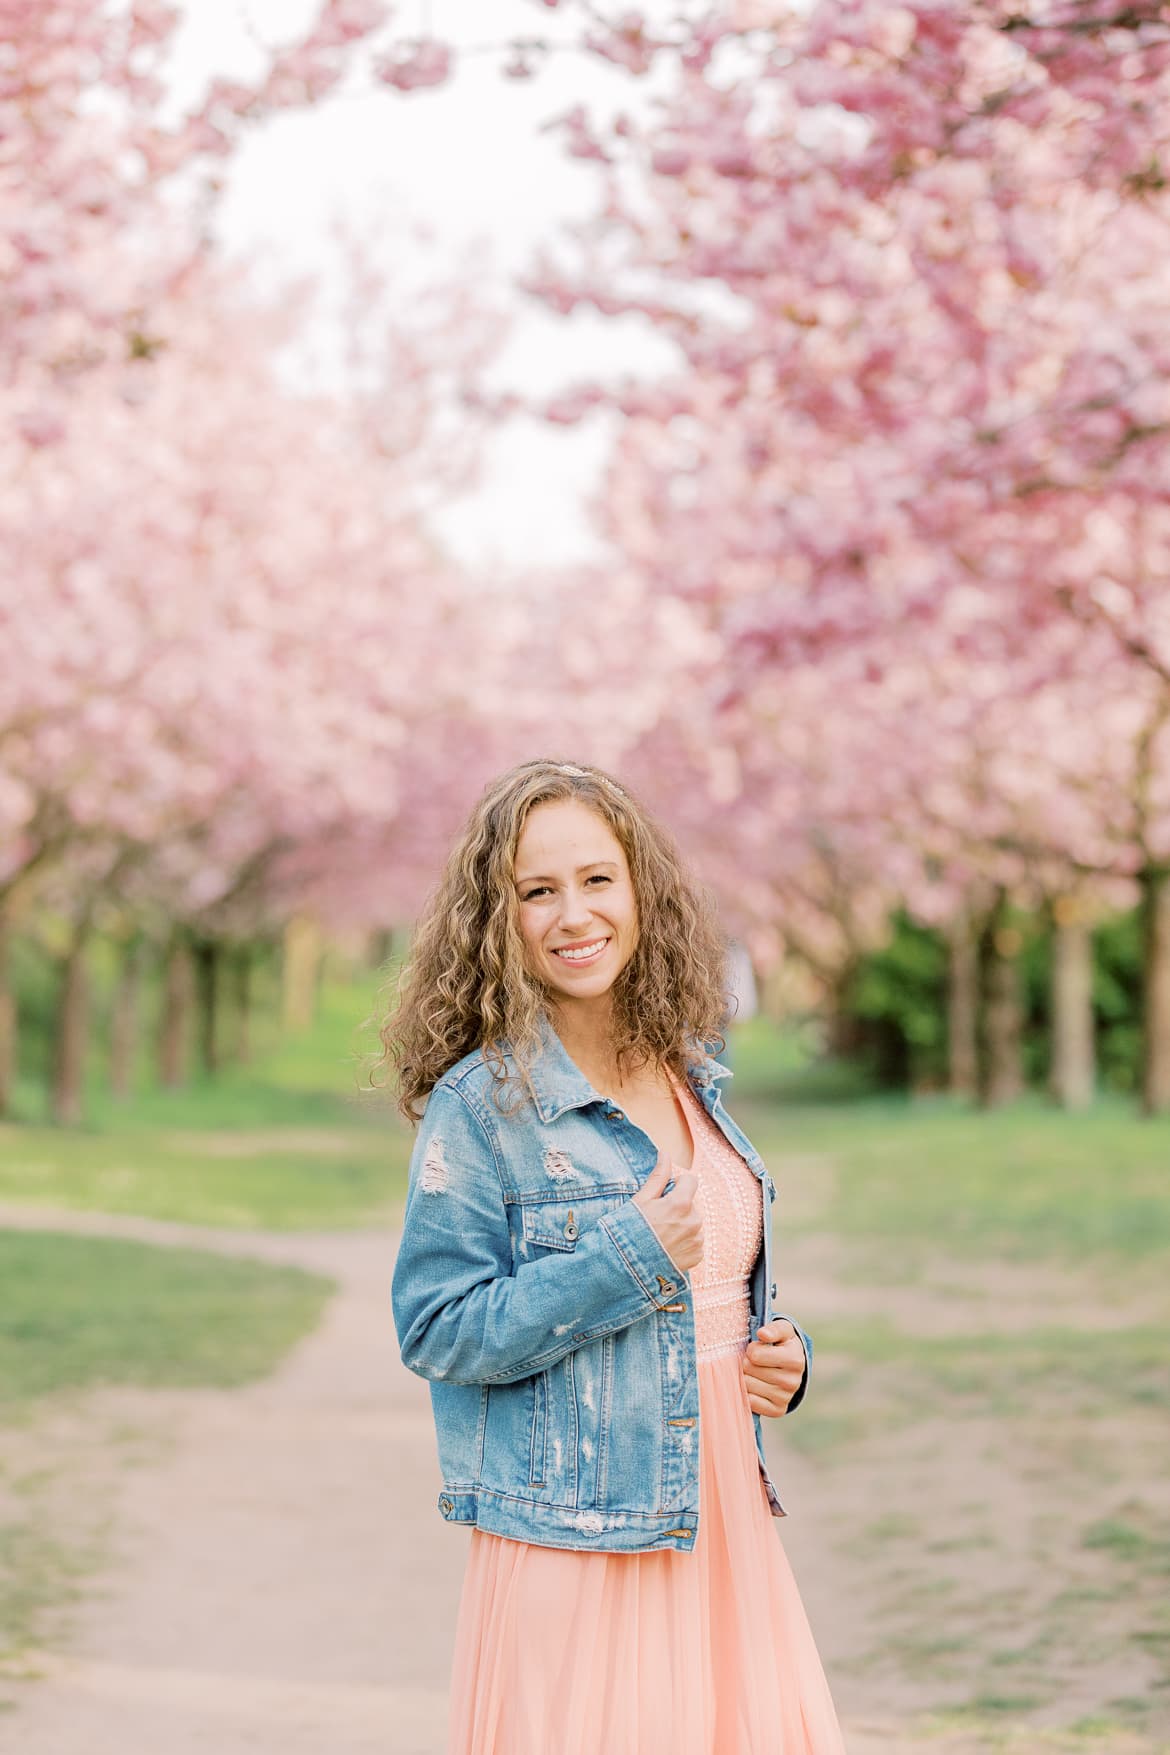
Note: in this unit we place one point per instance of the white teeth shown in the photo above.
(579, 956)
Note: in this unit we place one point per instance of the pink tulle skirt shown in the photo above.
(560, 1652)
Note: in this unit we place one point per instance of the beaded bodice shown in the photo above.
(731, 1201)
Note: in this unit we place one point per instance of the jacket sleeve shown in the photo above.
(806, 1343)
(462, 1315)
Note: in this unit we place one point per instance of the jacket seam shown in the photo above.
(452, 1079)
(482, 1126)
(559, 1505)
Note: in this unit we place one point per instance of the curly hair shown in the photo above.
(467, 982)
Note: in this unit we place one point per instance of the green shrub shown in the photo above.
(897, 1004)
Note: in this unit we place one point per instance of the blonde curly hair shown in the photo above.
(467, 982)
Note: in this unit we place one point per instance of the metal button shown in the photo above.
(614, 1115)
(773, 1288)
(445, 1506)
(571, 1231)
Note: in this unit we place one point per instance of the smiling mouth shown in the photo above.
(575, 954)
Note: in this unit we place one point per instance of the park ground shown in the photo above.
(217, 1523)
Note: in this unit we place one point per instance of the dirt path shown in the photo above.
(281, 1583)
(280, 1579)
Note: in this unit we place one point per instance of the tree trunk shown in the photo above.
(962, 1008)
(379, 947)
(71, 1034)
(1001, 1078)
(843, 1031)
(176, 1007)
(241, 967)
(302, 952)
(1155, 886)
(1072, 1068)
(8, 1022)
(124, 1016)
(207, 958)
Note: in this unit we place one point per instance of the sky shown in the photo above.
(471, 159)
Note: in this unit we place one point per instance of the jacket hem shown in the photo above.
(569, 1526)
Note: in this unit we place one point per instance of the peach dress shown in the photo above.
(561, 1652)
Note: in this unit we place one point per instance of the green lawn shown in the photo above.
(1025, 1183)
(296, 1141)
(237, 1176)
(83, 1311)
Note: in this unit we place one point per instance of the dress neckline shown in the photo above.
(681, 1093)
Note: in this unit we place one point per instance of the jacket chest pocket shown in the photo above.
(557, 1224)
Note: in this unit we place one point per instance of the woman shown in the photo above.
(585, 1280)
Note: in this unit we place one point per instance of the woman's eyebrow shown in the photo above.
(540, 877)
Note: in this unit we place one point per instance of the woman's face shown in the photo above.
(578, 914)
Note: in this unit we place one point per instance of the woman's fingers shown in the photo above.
(675, 1217)
(772, 1353)
(770, 1380)
(773, 1365)
(654, 1183)
(768, 1398)
(772, 1372)
(686, 1187)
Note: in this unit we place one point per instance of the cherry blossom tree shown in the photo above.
(226, 622)
(913, 260)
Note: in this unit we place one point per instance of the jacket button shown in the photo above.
(614, 1115)
(445, 1506)
(571, 1231)
(773, 1288)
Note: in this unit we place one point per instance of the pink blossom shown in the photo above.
(412, 66)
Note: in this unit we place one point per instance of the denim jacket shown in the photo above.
(554, 1330)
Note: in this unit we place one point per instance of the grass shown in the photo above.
(83, 1311)
(990, 1373)
(210, 1178)
(1025, 1183)
(1021, 1183)
(226, 1151)
(40, 1576)
(1137, 1538)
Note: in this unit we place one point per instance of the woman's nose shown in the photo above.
(575, 911)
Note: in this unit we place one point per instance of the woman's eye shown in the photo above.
(599, 877)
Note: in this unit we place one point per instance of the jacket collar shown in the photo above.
(559, 1084)
(557, 1081)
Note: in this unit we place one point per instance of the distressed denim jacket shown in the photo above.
(555, 1331)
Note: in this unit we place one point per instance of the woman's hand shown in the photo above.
(773, 1366)
(675, 1218)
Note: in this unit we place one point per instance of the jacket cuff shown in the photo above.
(806, 1343)
(636, 1241)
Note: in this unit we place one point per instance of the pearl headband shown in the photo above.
(581, 774)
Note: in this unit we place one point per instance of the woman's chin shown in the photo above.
(583, 988)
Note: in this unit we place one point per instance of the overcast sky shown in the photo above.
(471, 160)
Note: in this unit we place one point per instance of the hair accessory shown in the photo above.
(581, 774)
